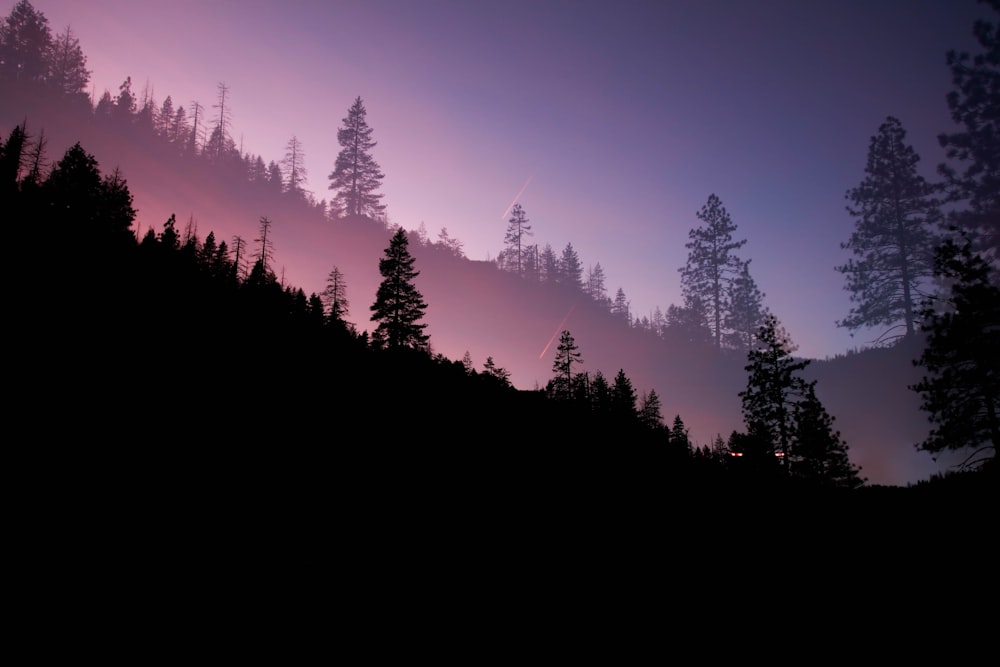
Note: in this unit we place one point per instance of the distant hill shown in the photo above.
(476, 308)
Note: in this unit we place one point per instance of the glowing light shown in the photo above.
(556, 332)
(517, 196)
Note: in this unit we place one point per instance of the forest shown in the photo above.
(189, 352)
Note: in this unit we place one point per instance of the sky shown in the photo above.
(611, 123)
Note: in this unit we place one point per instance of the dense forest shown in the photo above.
(195, 345)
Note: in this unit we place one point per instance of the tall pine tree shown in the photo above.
(356, 176)
(893, 240)
(399, 306)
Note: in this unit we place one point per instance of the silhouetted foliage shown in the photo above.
(356, 176)
(894, 237)
(399, 306)
(975, 178)
(712, 265)
(961, 391)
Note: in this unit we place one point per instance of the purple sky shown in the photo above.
(622, 117)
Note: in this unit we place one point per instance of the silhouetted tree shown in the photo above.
(651, 410)
(973, 104)
(549, 265)
(567, 356)
(773, 388)
(819, 456)
(68, 71)
(620, 307)
(712, 264)
(570, 268)
(124, 110)
(25, 41)
(220, 143)
(517, 229)
(595, 284)
(335, 295)
(893, 239)
(501, 375)
(356, 176)
(746, 310)
(398, 306)
(264, 256)
(689, 322)
(294, 167)
(623, 397)
(961, 389)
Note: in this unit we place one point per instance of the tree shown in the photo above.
(689, 322)
(549, 265)
(620, 307)
(893, 241)
(818, 455)
(623, 397)
(399, 306)
(746, 310)
(650, 410)
(220, 143)
(712, 264)
(335, 296)
(25, 40)
(264, 256)
(961, 389)
(501, 375)
(517, 229)
(973, 105)
(294, 168)
(773, 388)
(68, 71)
(567, 356)
(356, 177)
(596, 289)
(570, 268)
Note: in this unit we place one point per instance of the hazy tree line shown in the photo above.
(900, 248)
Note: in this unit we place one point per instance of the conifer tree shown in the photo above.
(893, 239)
(961, 389)
(746, 310)
(712, 265)
(567, 357)
(773, 389)
(399, 306)
(335, 295)
(517, 229)
(356, 176)
(974, 178)
(570, 268)
(25, 41)
(68, 71)
(819, 456)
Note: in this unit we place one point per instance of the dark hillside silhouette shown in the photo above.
(472, 305)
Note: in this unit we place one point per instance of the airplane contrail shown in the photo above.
(517, 196)
(558, 329)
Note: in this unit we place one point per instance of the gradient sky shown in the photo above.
(621, 117)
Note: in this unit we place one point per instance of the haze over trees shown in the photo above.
(895, 234)
(74, 199)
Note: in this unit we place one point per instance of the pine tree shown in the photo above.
(819, 456)
(517, 229)
(961, 389)
(893, 240)
(973, 104)
(25, 41)
(650, 410)
(623, 397)
(746, 311)
(773, 389)
(596, 289)
(620, 307)
(356, 177)
(712, 264)
(570, 268)
(68, 71)
(335, 296)
(399, 306)
(294, 168)
(567, 357)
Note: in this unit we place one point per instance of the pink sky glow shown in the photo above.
(609, 122)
